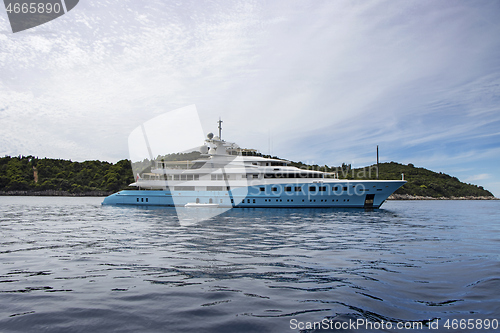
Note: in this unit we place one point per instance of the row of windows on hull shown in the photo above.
(192, 188)
(336, 189)
(253, 200)
(293, 175)
(291, 200)
(359, 188)
(198, 165)
(248, 176)
(197, 200)
(299, 188)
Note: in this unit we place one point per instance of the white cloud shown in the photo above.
(328, 80)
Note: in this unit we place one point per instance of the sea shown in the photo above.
(68, 264)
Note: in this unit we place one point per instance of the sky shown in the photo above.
(322, 82)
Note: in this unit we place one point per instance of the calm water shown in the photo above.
(70, 265)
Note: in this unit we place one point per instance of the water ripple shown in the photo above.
(69, 264)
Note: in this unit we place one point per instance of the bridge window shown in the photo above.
(215, 188)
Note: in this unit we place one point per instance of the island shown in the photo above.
(30, 175)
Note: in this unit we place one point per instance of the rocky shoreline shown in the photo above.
(417, 197)
(53, 193)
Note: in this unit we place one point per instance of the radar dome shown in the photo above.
(210, 135)
(204, 149)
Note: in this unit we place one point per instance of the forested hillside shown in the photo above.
(32, 174)
(427, 183)
(29, 173)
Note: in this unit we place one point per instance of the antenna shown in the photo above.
(220, 129)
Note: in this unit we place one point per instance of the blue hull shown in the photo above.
(309, 196)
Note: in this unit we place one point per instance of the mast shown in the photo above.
(377, 162)
(220, 129)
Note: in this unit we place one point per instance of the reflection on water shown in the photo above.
(70, 264)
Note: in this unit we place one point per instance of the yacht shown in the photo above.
(225, 176)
